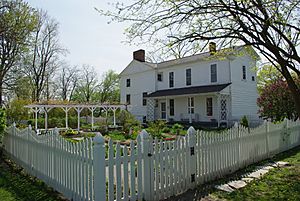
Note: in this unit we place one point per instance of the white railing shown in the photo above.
(148, 169)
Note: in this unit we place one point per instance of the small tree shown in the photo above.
(276, 101)
(244, 122)
(2, 127)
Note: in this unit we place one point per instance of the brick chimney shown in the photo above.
(139, 55)
(212, 48)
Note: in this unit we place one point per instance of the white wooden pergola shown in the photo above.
(36, 108)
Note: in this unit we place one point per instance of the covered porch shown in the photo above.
(204, 105)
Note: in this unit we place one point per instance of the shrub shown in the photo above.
(177, 128)
(156, 128)
(244, 122)
(2, 125)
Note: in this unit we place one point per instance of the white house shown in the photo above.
(216, 87)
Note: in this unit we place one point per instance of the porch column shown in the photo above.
(218, 108)
(167, 105)
(190, 109)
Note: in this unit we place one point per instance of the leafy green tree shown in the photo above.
(266, 75)
(271, 27)
(17, 21)
(16, 110)
(86, 90)
(275, 101)
(110, 87)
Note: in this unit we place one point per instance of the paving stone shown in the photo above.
(281, 164)
(237, 184)
(258, 173)
(225, 187)
(268, 167)
(247, 179)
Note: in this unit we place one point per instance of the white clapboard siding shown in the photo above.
(149, 169)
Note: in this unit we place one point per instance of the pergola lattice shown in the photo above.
(36, 108)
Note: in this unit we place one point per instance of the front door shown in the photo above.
(163, 110)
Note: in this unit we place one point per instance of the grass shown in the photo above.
(278, 184)
(15, 185)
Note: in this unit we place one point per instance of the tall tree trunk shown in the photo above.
(293, 87)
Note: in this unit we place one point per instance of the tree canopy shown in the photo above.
(271, 27)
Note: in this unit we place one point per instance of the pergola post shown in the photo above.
(46, 110)
(78, 109)
(114, 111)
(36, 117)
(92, 109)
(66, 110)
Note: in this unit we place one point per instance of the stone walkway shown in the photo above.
(257, 174)
(204, 192)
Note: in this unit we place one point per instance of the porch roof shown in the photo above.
(189, 90)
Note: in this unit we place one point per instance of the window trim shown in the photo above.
(172, 107)
(212, 108)
(191, 105)
(211, 80)
(128, 100)
(244, 73)
(161, 76)
(186, 77)
(144, 101)
(173, 75)
(128, 82)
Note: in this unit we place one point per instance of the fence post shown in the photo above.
(192, 159)
(99, 168)
(267, 137)
(148, 182)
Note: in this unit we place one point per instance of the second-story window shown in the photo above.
(128, 99)
(160, 77)
(244, 72)
(188, 76)
(171, 79)
(144, 98)
(213, 73)
(128, 82)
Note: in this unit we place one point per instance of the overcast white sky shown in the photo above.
(86, 34)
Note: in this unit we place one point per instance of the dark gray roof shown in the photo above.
(189, 90)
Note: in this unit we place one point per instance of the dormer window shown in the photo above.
(160, 77)
(128, 82)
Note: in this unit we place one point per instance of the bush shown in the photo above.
(2, 125)
(244, 122)
(127, 121)
(156, 128)
(177, 128)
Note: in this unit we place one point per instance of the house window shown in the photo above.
(160, 77)
(144, 98)
(188, 76)
(209, 107)
(128, 99)
(244, 72)
(172, 111)
(171, 79)
(128, 83)
(253, 78)
(213, 73)
(191, 107)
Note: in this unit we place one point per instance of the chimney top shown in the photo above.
(212, 48)
(139, 55)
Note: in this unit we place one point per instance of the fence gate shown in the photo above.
(169, 167)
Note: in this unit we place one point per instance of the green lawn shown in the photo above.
(15, 185)
(279, 184)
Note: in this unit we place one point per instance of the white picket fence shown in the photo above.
(149, 169)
